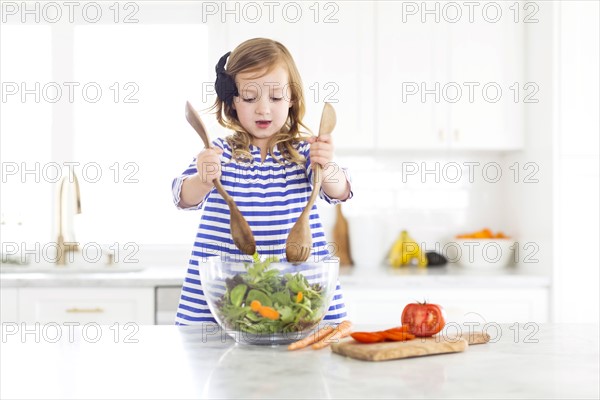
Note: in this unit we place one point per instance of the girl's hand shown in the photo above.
(208, 163)
(321, 149)
(334, 181)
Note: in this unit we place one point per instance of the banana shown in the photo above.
(406, 251)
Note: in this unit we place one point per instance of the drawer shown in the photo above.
(167, 301)
(9, 305)
(85, 305)
(384, 307)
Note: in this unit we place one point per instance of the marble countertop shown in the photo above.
(170, 362)
(147, 276)
(371, 276)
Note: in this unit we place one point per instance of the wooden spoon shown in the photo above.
(240, 230)
(299, 242)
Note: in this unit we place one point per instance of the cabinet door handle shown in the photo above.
(441, 135)
(84, 310)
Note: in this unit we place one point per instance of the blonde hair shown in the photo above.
(256, 55)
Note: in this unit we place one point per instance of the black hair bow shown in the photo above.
(225, 85)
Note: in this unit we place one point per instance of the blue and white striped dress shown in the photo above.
(271, 197)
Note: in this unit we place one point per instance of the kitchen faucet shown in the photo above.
(63, 246)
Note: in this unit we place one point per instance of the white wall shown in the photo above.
(576, 194)
(430, 206)
(529, 205)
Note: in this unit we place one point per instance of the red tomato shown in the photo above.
(367, 337)
(423, 319)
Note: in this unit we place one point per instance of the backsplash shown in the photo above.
(433, 196)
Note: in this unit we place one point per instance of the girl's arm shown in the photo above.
(193, 190)
(197, 186)
(335, 184)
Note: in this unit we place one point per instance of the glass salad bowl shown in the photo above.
(268, 302)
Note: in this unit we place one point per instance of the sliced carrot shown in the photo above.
(367, 337)
(343, 330)
(255, 305)
(396, 336)
(299, 297)
(310, 339)
(403, 328)
(268, 312)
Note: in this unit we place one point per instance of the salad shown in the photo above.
(262, 301)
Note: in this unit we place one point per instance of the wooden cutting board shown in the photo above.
(411, 348)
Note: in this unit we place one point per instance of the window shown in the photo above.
(124, 125)
(135, 133)
(25, 143)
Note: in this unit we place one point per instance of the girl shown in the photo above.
(265, 165)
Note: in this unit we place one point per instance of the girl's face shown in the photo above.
(263, 103)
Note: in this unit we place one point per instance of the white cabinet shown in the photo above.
(333, 47)
(448, 85)
(400, 83)
(85, 305)
(486, 69)
(409, 60)
(384, 306)
(9, 304)
(336, 60)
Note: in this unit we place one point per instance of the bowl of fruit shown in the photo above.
(268, 302)
(484, 249)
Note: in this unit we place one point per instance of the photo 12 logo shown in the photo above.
(491, 332)
(53, 12)
(53, 172)
(69, 92)
(270, 12)
(471, 92)
(53, 332)
(88, 253)
(468, 171)
(453, 12)
(319, 92)
(499, 252)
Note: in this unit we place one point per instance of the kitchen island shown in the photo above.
(170, 362)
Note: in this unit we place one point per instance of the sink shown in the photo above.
(76, 268)
(77, 263)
